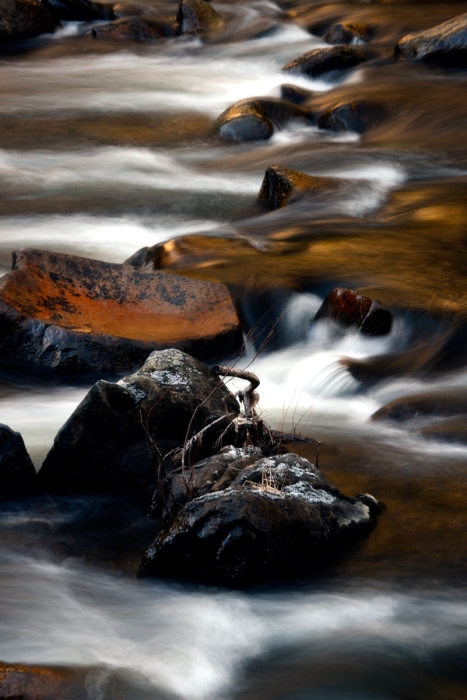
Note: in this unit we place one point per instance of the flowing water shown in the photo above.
(106, 148)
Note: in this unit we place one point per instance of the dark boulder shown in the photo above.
(79, 10)
(282, 186)
(117, 436)
(320, 61)
(23, 19)
(278, 515)
(295, 94)
(256, 119)
(423, 405)
(357, 116)
(445, 44)
(70, 314)
(136, 29)
(347, 33)
(197, 16)
(17, 471)
(348, 308)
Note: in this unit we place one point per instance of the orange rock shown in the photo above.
(351, 309)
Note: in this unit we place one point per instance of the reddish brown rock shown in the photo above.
(195, 16)
(136, 29)
(282, 186)
(63, 312)
(445, 44)
(256, 118)
(320, 61)
(19, 682)
(351, 309)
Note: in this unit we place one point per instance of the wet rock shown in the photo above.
(136, 29)
(294, 94)
(19, 682)
(282, 186)
(347, 33)
(445, 44)
(118, 434)
(79, 10)
(348, 308)
(423, 405)
(70, 314)
(197, 16)
(448, 430)
(320, 61)
(17, 471)
(357, 116)
(256, 119)
(23, 19)
(278, 515)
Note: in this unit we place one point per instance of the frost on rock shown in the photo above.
(360, 513)
(169, 378)
(305, 491)
(137, 393)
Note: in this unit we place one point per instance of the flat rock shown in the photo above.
(423, 405)
(70, 314)
(197, 16)
(20, 682)
(17, 471)
(117, 436)
(278, 515)
(358, 116)
(282, 186)
(445, 44)
(347, 33)
(256, 118)
(23, 19)
(136, 28)
(348, 308)
(320, 61)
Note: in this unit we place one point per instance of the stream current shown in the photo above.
(104, 149)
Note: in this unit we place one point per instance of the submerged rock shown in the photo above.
(320, 61)
(295, 94)
(347, 33)
(17, 471)
(357, 116)
(23, 19)
(351, 309)
(196, 16)
(256, 119)
(282, 186)
(423, 405)
(445, 44)
(278, 515)
(70, 314)
(118, 434)
(135, 29)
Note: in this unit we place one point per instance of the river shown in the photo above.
(106, 148)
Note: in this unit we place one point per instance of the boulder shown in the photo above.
(70, 314)
(423, 405)
(295, 94)
(320, 61)
(23, 19)
(445, 44)
(256, 119)
(79, 10)
(136, 29)
(282, 186)
(19, 682)
(17, 471)
(119, 435)
(357, 116)
(279, 515)
(347, 33)
(197, 16)
(348, 308)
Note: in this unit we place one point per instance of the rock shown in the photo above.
(196, 16)
(70, 314)
(79, 10)
(278, 516)
(117, 434)
(351, 309)
(17, 472)
(19, 682)
(135, 29)
(23, 19)
(347, 33)
(445, 44)
(423, 405)
(256, 119)
(320, 61)
(294, 94)
(357, 116)
(282, 186)
(449, 430)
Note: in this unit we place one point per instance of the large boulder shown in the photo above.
(282, 186)
(23, 19)
(119, 435)
(70, 314)
(278, 515)
(256, 118)
(197, 16)
(358, 116)
(135, 29)
(445, 44)
(80, 10)
(320, 61)
(17, 471)
(350, 309)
